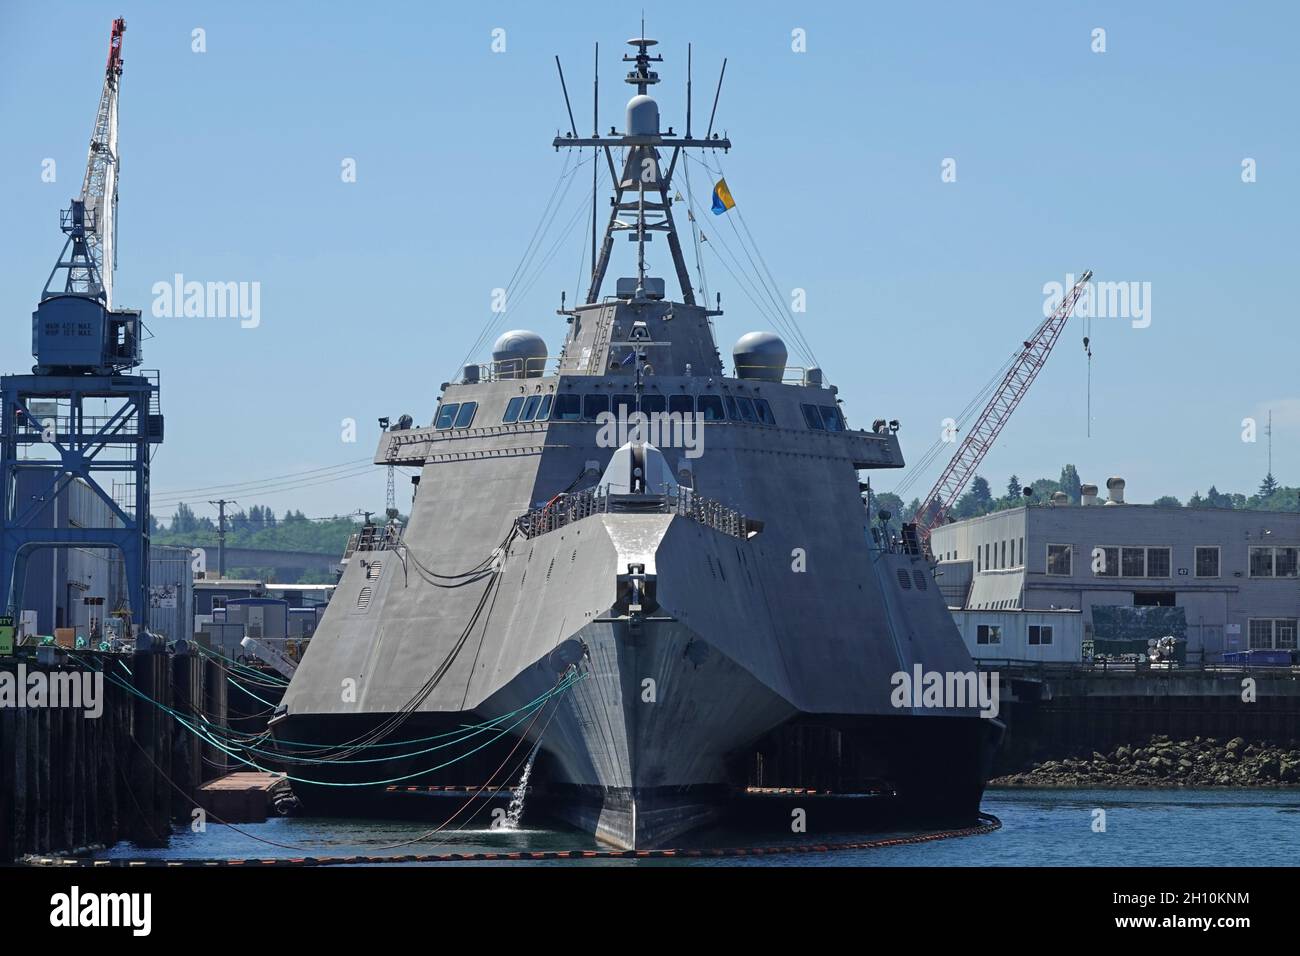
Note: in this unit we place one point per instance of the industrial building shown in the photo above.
(82, 588)
(1224, 581)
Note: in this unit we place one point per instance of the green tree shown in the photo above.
(1167, 501)
(1044, 488)
(888, 501)
(1013, 487)
(183, 521)
(1268, 485)
(1070, 483)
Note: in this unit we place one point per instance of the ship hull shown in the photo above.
(669, 709)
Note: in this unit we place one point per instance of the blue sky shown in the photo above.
(1127, 162)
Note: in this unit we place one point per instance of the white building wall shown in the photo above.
(1218, 609)
(1067, 635)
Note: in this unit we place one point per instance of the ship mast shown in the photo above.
(642, 201)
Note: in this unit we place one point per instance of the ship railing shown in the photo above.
(785, 374)
(566, 509)
(511, 369)
(374, 538)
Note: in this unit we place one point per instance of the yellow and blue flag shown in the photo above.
(722, 200)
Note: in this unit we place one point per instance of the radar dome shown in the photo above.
(519, 354)
(760, 355)
(642, 116)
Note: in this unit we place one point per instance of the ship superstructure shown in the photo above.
(713, 602)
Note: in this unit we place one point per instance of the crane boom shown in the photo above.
(995, 415)
(99, 187)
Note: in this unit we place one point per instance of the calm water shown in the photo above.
(1039, 828)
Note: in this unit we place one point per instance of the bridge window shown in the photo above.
(512, 410)
(446, 415)
(733, 410)
(530, 408)
(623, 405)
(681, 404)
(465, 417)
(544, 412)
(832, 418)
(813, 417)
(568, 408)
(650, 404)
(764, 412)
(593, 405)
(747, 410)
(711, 408)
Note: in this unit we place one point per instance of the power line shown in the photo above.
(294, 474)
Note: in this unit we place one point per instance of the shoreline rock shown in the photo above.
(1162, 762)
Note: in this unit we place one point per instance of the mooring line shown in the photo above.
(990, 824)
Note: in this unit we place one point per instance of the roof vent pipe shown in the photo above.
(1115, 486)
(1087, 495)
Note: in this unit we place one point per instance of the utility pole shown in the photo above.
(221, 534)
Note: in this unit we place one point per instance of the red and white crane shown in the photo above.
(991, 420)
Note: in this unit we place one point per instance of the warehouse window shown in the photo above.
(1040, 634)
(1267, 634)
(1059, 560)
(1207, 562)
(1269, 562)
(1133, 562)
(1158, 562)
(988, 634)
(1109, 566)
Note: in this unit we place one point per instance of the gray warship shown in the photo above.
(706, 622)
